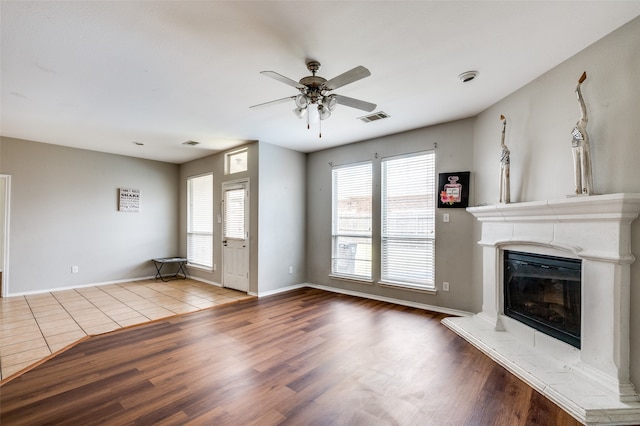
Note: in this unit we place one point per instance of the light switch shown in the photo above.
(445, 218)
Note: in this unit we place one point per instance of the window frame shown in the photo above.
(228, 159)
(195, 261)
(428, 237)
(336, 235)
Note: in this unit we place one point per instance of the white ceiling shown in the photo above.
(102, 74)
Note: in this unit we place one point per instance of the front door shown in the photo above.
(235, 236)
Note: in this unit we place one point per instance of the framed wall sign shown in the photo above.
(453, 190)
(128, 200)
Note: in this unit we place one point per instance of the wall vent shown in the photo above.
(192, 143)
(374, 117)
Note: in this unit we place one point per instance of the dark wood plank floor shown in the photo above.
(305, 357)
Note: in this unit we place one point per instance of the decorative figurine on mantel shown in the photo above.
(505, 194)
(581, 149)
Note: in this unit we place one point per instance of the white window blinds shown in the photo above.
(351, 228)
(408, 220)
(200, 220)
(234, 213)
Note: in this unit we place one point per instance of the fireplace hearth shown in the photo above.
(590, 378)
(543, 292)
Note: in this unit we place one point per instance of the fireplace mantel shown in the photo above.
(595, 214)
(591, 383)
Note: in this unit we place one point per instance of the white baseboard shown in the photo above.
(48, 290)
(279, 290)
(401, 302)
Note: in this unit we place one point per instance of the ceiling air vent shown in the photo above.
(374, 117)
(192, 143)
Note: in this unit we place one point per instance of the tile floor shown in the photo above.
(35, 326)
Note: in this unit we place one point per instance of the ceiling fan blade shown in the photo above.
(281, 78)
(350, 76)
(277, 101)
(355, 103)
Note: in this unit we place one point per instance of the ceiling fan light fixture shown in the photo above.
(314, 99)
(330, 102)
(300, 112)
(324, 112)
(302, 101)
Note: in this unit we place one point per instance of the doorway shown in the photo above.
(5, 185)
(235, 235)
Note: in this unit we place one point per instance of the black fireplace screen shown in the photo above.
(544, 292)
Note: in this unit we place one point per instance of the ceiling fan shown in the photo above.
(315, 91)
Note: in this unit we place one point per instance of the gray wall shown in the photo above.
(454, 242)
(64, 212)
(281, 218)
(541, 116)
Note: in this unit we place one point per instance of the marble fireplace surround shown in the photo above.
(591, 383)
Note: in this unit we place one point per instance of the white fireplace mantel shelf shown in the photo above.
(591, 383)
(579, 208)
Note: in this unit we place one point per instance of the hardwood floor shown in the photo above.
(305, 357)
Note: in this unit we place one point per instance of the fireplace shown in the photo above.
(544, 292)
(590, 379)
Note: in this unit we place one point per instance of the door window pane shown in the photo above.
(234, 213)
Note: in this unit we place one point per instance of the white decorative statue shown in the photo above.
(580, 148)
(505, 195)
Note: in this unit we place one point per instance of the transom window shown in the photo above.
(236, 161)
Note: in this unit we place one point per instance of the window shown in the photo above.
(234, 200)
(236, 161)
(408, 220)
(351, 228)
(200, 221)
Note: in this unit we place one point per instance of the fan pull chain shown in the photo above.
(320, 129)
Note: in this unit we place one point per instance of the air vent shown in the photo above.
(374, 117)
(192, 143)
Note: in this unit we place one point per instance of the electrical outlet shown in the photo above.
(214, 267)
(291, 269)
(74, 269)
(445, 286)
